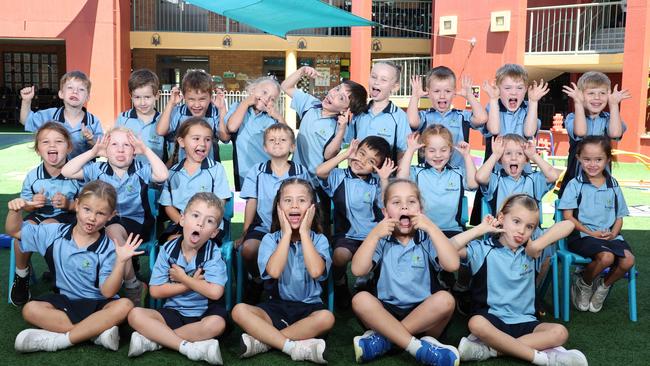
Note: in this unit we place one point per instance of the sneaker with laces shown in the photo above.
(559, 356)
(135, 293)
(140, 344)
(309, 350)
(471, 348)
(33, 340)
(207, 351)
(364, 283)
(250, 346)
(580, 294)
(370, 345)
(435, 353)
(19, 293)
(600, 294)
(109, 339)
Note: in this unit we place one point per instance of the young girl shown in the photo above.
(88, 269)
(195, 173)
(593, 201)
(409, 250)
(51, 194)
(131, 179)
(246, 122)
(292, 259)
(503, 288)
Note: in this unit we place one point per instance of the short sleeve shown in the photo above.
(476, 253)
(333, 181)
(96, 128)
(379, 251)
(491, 188)
(622, 209)
(349, 132)
(166, 196)
(35, 120)
(467, 118)
(231, 110)
(26, 191)
(214, 270)
(174, 120)
(569, 200)
(301, 101)
(221, 188)
(91, 171)
(145, 172)
(403, 130)
(542, 186)
(249, 187)
(422, 115)
(267, 247)
(160, 271)
(36, 237)
(107, 264)
(569, 122)
(323, 248)
(433, 256)
(483, 129)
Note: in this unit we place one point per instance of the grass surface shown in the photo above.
(607, 338)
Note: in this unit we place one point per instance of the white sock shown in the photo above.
(288, 346)
(131, 282)
(184, 347)
(22, 273)
(540, 358)
(414, 346)
(493, 352)
(62, 340)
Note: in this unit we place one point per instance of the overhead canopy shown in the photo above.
(281, 16)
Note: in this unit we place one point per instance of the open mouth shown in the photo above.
(195, 236)
(52, 156)
(200, 152)
(513, 103)
(405, 221)
(374, 92)
(518, 239)
(513, 169)
(442, 104)
(294, 218)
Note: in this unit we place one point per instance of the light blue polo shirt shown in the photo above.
(596, 126)
(39, 179)
(263, 184)
(503, 281)
(315, 132)
(442, 193)
(406, 270)
(598, 207)
(79, 272)
(511, 122)
(180, 114)
(454, 120)
(146, 131)
(208, 258)
(502, 185)
(248, 141)
(79, 145)
(357, 202)
(391, 124)
(295, 283)
(131, 187)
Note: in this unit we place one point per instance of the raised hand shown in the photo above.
(574, 93)
(59, 200)
(416, 86)
(138, 145)
(88, 135)
(310, 72)
(285, 226)
(352, 149)
(39, 199)
(498, 146)
(17, 204)
(491, 225)
(491, 89)
(27, 93)
(385, 227)
(175, 96)
(420, 221)
(219, 99)
(615, 96)
(344, 119)
(537, 91)
(272, 110)
(386, 169)
(530, 149)
(465, 87)
(413, 141)
(463, 148)
(128, 249)
(101, 146)
(305, 224)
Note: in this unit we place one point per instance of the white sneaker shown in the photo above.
(207, 351)
(109, 339)
(33, 340)
(309, 350)
(140, 344)
(559, 356)
(580, 294)
(599, 296)
(471, 348)
(251, 346)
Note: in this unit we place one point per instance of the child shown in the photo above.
(441, 89)
(593, 201)
(382, 117)
(88, 269)
(356, 193)
(199, 102)
(142, 119)
(52, 197)
(408, 250)
(74, 90)
(246, 122)
(590, 97)
(190, 274)
(293, 259)
(195, 173)
(131, 179)
(259, 190)
(503, 288)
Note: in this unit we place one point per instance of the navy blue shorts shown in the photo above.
(349, 244)
(254, 234)
(398, 312)
(590, 246)
(64, 218)
(514, 330)
(76, 310)
(283, 313)
(174, 319)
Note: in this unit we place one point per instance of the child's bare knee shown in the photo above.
(249, 250)
(136, 314)
(605, 258)
(239, 312)
(325, 320)
(122, 306)
(29, 310)
(214, 324)
(361, 300)
(476, 325)
(446, 301)
(560, 333)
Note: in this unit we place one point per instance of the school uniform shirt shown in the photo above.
(357, 202)
(442, 193)
(295, 283)
(180, 113)
(79, 272)
(407, 272)
(511, 122)
(501, 185)
(598, 207)
(503, 280)
(208, 258)
(132, 196)
(263, 184)
(456, 121)
(146, 131)
(248, 141)
(79, 145)
(314, 134)
(38, 179)
(391, 124)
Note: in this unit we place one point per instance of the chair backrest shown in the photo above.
(228, 212)
(464, 217)
(558, 217)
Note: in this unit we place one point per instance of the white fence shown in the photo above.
(231, 97)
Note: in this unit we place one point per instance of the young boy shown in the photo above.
(74, 90)
(259, 190)
(143, 117)
(357, 200)
(590, 97)
(190, 274)
(199, 102)
(441, 89)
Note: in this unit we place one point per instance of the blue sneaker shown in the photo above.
(370, 345)
(435, 353)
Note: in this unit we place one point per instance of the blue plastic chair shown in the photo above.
(568, 258)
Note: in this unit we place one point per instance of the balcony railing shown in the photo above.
(412, 17)
(584, 28)
(231, 97)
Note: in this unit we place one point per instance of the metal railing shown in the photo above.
(412, 17)
(231, 97)
(410, 66)
(583, 28)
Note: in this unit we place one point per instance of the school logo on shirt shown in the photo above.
(202, 189)
(417, 261)
(85, 264)
(525, 269)
(383, 132)
(366, 197)
(130, 188)
(451, 186)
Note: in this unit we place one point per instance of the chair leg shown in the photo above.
(12, 271)
(566, 286)
(631, 291)
(330, 292)
(240, 276)
(556, 289)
